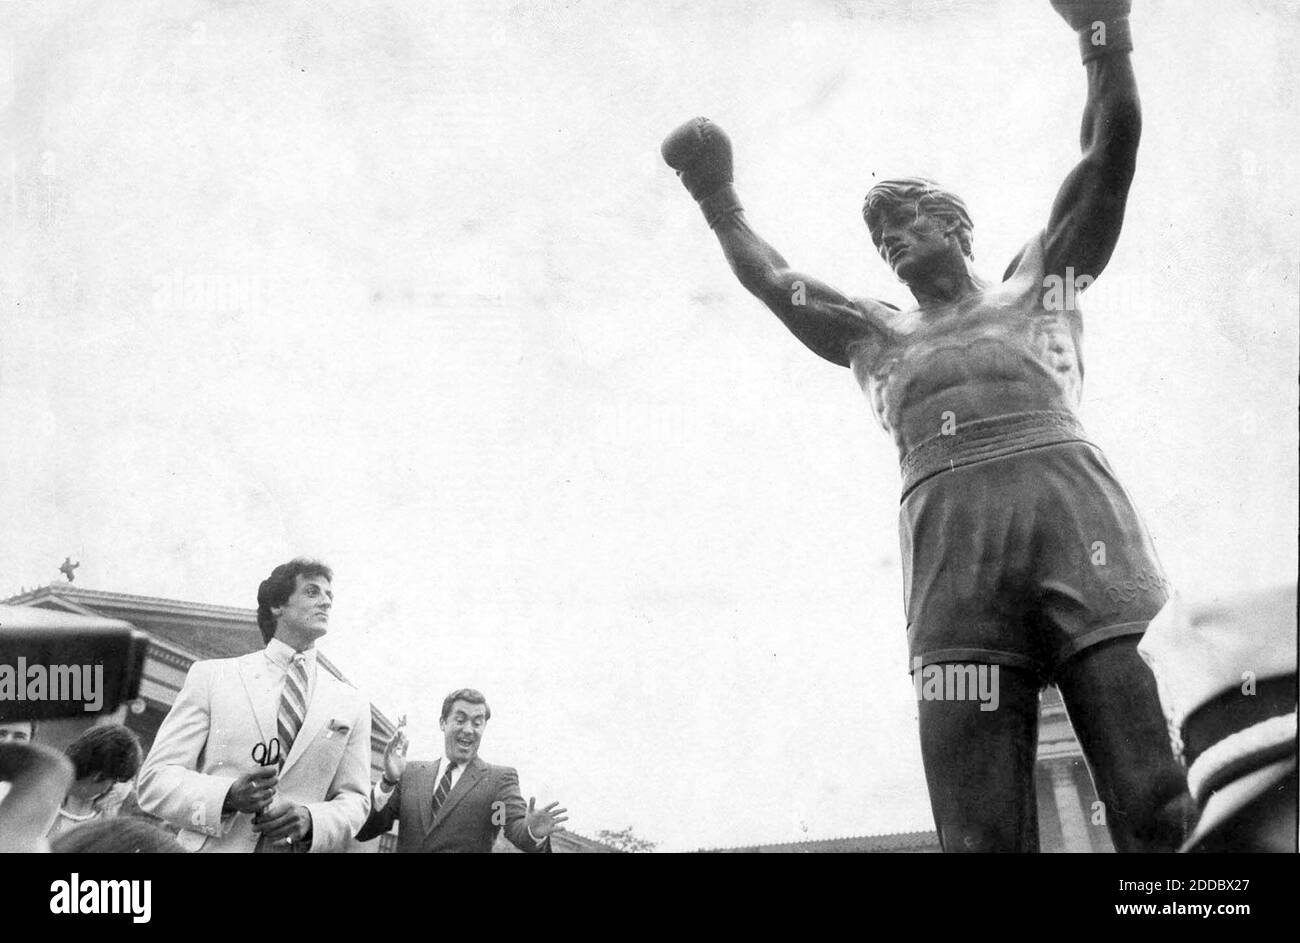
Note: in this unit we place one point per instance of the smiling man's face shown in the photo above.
(463, 730)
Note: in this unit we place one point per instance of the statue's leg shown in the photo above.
(1100, 583)
(969, 552)
(1111, 698)
(979, 766)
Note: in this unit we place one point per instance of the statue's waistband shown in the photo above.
(981, 439)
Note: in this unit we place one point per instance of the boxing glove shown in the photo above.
(700, 152)
(1094, 40)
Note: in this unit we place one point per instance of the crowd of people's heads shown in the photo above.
(103, 757)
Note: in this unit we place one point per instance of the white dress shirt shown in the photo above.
(281, 655)
(382, 793)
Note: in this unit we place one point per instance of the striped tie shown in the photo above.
(444, 787)
(293, 703)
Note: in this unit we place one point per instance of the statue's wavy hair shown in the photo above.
(927, 197)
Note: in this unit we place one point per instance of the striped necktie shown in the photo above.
(293, 703)
(444, 787)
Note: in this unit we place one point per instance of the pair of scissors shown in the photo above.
(267, 754)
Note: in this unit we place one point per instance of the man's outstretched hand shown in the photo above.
(395, 753)
(1081, 14)
(542, 822)
(700, 152)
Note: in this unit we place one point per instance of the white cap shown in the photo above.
(1200, 649)
(1214, 655)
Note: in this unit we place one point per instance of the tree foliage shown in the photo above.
(624, 839)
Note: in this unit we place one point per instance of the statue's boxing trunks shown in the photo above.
(1020, 546)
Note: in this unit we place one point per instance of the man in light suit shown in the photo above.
(201, 775)
(458, 803)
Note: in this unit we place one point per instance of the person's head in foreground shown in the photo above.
(102, 757)
(122, 835)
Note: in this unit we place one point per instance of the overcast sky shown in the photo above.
(409, 288)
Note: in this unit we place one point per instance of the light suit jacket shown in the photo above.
(225, 707)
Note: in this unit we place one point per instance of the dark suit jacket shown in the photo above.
(486, 798)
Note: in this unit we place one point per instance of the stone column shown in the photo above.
(1074, 821)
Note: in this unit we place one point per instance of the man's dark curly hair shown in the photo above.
(110, 750)
(279, 586)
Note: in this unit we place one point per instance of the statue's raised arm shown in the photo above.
(826, 321)
(1089, 209)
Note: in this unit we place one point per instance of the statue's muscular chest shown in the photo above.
(1004, 337)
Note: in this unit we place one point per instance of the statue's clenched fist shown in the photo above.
(700, 152)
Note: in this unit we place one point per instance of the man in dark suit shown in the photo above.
(456, 804)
